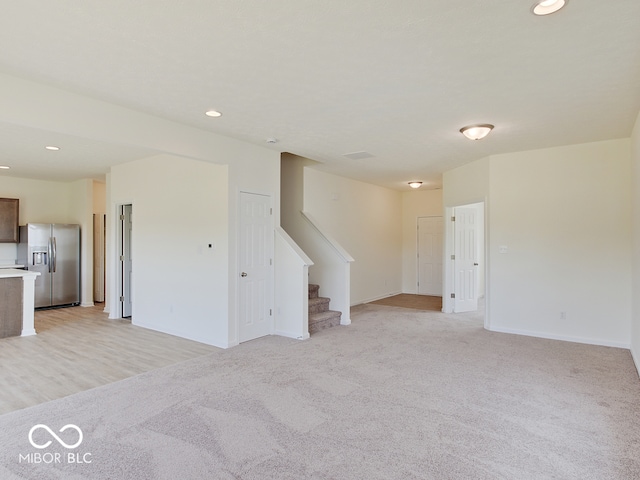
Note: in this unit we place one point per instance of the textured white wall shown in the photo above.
(367, 221)
(635, 159)
(467, 184)
(292, 287)
(419, 203)
(180, 286)
(565, 214)
(41, 201)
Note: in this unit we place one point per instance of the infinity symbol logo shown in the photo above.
(66, 427)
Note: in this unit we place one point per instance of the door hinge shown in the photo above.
(122, 258)
(271, 211)
(453, 219)
(122, 298)
(270, 312)
(453, 295)
(271, 261)
(453, 257)
(122, 217)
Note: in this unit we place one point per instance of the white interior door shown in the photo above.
(255, 266)
(126, 262)
(430, 253)
(465, 261)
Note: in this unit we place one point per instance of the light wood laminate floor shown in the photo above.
(79, 348)
(407, 300)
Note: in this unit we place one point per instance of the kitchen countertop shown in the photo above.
(14, 272)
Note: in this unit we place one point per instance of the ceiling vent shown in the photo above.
(358, 155)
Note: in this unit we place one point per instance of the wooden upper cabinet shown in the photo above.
(9, 220)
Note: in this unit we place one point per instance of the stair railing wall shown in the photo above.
(331, 266)
(291, 316)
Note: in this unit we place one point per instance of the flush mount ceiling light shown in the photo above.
(53, 148)
(4, 167)
(213, 113)
(476, 132)
(415, 184)
(357, 155)
(546, 7)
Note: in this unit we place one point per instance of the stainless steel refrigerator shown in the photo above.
(54, 251)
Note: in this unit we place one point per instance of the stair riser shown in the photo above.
(319, 307)
(324, 324)
(313, 291)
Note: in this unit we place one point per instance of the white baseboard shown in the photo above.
(185, 335)
(373, 299)
(345, 321)
(87, 304)
(564, 338)
(636, 361)
(295, 336)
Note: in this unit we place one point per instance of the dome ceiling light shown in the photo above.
(415, 184)
(546, 7)
(476, 132)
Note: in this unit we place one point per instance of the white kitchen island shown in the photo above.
(17, 298)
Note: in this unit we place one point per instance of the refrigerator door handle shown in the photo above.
(49, 254)
(54, 262)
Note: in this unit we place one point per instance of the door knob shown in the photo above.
(243, 274)
(475, 264)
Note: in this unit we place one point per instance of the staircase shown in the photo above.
(320, 317)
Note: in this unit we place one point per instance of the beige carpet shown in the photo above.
(407, 300)
(424, 396)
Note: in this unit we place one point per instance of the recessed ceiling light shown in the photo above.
(476, 132)
(546, 7)
(52, 148)
(415, 184)
(272, 140)
(212, 113)
(4, 167)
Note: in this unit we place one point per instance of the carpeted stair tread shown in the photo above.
(324, 315)
(313, 290)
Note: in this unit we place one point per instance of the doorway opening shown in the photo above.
(430, 255)
(465, 285)
(125, 263)
(99, 256)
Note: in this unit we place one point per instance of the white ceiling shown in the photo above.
(326, 78)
